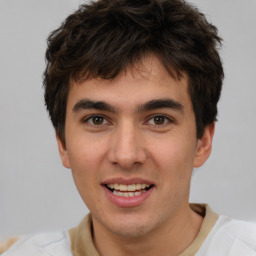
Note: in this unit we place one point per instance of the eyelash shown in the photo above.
(87, 120)
(166, 120)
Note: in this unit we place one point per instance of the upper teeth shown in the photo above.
(131, 187)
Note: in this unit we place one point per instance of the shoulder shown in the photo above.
(230, 237)
(237, 229)
(42, 244)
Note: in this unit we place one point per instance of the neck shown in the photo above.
(171, 239)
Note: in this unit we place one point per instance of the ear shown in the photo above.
(63, 152)
(204, 145)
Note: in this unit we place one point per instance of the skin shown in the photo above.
(130, 141)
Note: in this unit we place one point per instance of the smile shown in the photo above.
(130, 190)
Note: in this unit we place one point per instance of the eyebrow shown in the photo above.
(148, 106)
(89, 104)
(161, 103)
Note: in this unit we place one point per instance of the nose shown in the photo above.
(127, 147)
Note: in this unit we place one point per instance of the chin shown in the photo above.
(129, 226)
(131, 230)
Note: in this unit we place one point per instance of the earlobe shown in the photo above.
(63, 152)
(204, 146)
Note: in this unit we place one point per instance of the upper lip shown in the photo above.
(119, 180)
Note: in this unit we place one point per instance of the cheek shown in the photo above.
(85, 157)
(85, 160)
(85, 152)
(174, 157)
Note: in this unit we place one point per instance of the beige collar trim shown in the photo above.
(209, 221)
(82, 240)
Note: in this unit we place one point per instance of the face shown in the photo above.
(131, 145)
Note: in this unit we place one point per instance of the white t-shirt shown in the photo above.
(230, 237)
(43, 244)
(218, 236)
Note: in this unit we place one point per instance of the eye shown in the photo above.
(159, 120)
(96, 120)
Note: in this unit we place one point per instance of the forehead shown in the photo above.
(148, 80)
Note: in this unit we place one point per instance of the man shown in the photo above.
(132, 90)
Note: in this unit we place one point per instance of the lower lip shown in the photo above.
(128, 201)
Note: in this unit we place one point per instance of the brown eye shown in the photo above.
(97, 120)
(159, 120)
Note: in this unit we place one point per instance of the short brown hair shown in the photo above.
(103, 38)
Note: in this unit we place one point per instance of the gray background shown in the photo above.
(37, 193)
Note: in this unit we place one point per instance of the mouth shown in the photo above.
(130, 190)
